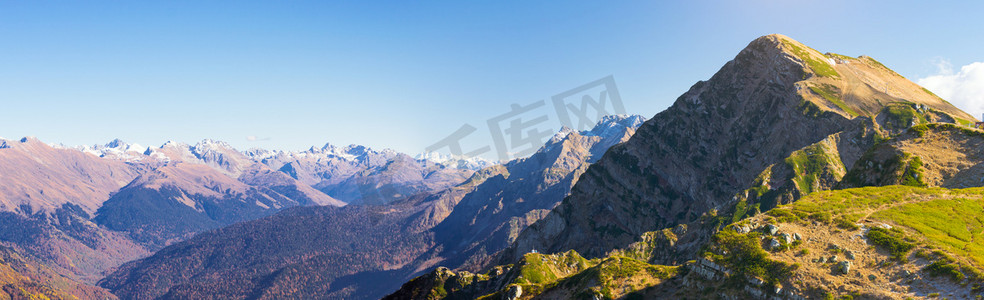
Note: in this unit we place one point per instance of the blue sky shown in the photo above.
(404, 75)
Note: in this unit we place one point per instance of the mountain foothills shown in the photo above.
(81, 212)
(790, 174)
(364, 252)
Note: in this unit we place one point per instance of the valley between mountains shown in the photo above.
(789, 174)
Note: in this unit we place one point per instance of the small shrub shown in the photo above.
(821, 68)
(920, 129)
(892, 240)
(832, 93)
(945, 267)
(745, 256)
(972, 272)
(821, 217)
(913, 173)
(843, 223)
(783, 215)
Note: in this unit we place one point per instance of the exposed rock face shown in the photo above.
(775, 98)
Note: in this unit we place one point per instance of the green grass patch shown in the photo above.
(783, 215)
(843, 222)
(842, 57)
(947, 226)
(902, 115)
(821, 68)
(811, 163)
(913, 176)
(955, 129)
(743, 254)
(834, 203)
(920, 129)
(892, 241)
(955, 225)
(964, 122)
(833, 94)
(945, 267)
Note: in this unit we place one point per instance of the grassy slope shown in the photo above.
(950, 220)
(940, 227)
(561, 275)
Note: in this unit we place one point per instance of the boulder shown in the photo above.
(770, 229)
(774, 244)
(786, 238)
(514, 292)
(844, 267)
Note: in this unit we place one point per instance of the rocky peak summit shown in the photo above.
(775, 99)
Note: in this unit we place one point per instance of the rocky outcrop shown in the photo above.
(936, 155)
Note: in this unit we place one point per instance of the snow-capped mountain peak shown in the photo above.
(117, 149)
(614, 124)
(460, 162)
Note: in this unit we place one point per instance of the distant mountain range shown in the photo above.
(82, 211)
(362, 252)
(359, 175)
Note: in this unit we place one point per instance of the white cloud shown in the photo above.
(965, 89)
(253, 138)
